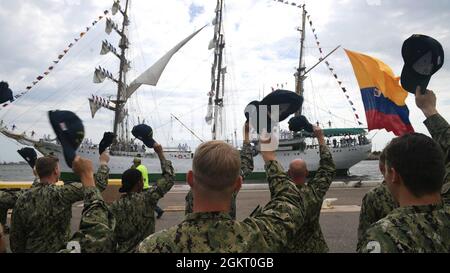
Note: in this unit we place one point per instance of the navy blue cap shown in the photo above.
(288, 103)
(107, 141)
(145, 134)
(297, 124)
(30, 156)
(69, 130)
(423, 57)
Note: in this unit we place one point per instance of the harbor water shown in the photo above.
(364, 171)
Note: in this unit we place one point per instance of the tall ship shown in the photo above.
(349, 146)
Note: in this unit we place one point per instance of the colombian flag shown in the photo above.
(383, 97)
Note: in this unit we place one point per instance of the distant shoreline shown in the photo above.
(13, 163)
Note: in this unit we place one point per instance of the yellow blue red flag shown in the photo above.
(382, 94)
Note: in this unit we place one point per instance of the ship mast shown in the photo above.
(122, 85)
(218, 72)
(300, 75)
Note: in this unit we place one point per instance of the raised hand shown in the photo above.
(426, 102)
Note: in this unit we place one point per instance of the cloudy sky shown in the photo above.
(261, 52)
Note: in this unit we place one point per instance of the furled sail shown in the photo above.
(96, 103)
(101, 74)
(107, 47)
(94, 107)
(212, 44)
(153, 74)
(209, 114)
(110, 25)
(116, 7)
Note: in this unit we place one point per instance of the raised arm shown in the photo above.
(73, 192)
(102, 175)
(284, 214)
(166, 182)
(247, 165)
(327, 169)
(438, 128)
(97, 223)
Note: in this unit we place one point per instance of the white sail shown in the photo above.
(153, 74)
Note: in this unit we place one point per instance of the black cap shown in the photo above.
(145, 134)
(288, 102)
(300, 123)
(106, 142)
(69, 130)
(252, 110)
(30, 155)
(129, 179)
(423, 57)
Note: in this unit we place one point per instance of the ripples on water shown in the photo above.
(365, 170)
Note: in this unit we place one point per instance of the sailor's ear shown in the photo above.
(238, 184)
(396, 178)
(190, 178)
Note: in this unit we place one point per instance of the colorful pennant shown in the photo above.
(60, 57)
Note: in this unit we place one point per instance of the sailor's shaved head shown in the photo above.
(298, 169)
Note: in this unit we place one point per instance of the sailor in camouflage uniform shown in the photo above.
(210, 228)
(96, 234)
(246, 169)
(41, 217)
(97, 222)
(309, 239)
(415, 176)
(440, 132)
(135, 210)
(8, 199)
(376, 204)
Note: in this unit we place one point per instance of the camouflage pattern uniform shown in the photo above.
(309, 239)
(415, 229)
(440, 131)
(135, 212)
(41, 217)
(246, 169)
(96, 226)
(376, 205)
(269, 229)
(8, 199)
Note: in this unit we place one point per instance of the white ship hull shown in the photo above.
(344, 157)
